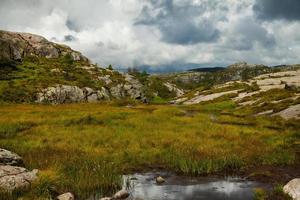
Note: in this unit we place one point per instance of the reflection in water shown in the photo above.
(143, 186)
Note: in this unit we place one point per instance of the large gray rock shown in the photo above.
(9, 158)
(12, 178)
(292, 188)
(90, 95)
(61, 94)
(133, 88)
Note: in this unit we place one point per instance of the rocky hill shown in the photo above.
(33, 69)
(275, 94)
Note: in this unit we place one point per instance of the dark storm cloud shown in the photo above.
(69, 38)
(246, 33)
(72, 25)
(277, 9)
(179, 24)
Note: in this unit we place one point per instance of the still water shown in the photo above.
(144, 187)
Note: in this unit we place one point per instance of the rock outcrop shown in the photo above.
(60, 94)
(15, 46)
(290, 113)
(263, 83)
(174, 88)
(243, 65)
(209, 97)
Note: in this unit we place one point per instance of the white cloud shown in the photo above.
(106, 31)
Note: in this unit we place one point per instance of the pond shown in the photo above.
(144, 187)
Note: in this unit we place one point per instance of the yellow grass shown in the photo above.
(85, 148)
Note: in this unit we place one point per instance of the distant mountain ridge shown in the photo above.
(207, 69)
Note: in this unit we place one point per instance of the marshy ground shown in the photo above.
(85, 148)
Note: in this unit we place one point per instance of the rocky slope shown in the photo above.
(274, 94)
(35, 69)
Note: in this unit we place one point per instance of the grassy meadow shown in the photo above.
(85, 148)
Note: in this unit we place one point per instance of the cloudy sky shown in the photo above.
(164, 35)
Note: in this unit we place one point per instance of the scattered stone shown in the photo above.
(160, 180)
(122, 194)
(10, 158)
(292, 188)
(66, 196)
(12, 177)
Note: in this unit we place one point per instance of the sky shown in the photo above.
(164, 35)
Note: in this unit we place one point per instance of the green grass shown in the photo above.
(85, 148)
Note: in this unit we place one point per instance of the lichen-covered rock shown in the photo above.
(292, 188)
(12, 177)
(9, 158)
